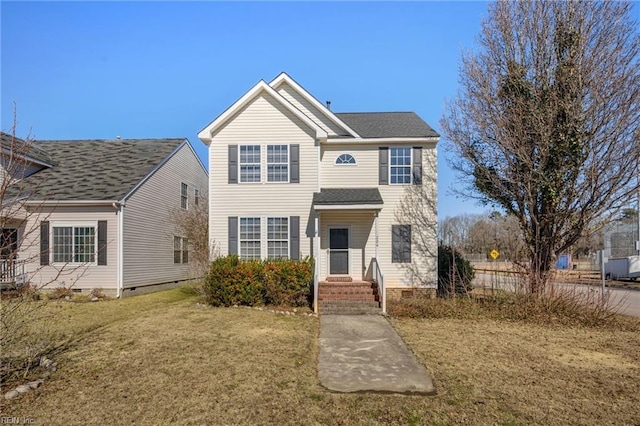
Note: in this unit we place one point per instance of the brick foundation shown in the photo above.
(409, 292)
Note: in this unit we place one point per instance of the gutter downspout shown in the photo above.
(120, 272)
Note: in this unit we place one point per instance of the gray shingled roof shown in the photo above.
(97, 169)
(29, 149)
(347, 196)
(387, 124)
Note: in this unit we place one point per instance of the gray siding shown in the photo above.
(148, 225)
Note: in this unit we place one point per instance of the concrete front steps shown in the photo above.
(344, 296)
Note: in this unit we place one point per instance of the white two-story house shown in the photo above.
(290, 178)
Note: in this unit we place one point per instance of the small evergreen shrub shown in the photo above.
(453, 275)
(232, 281)
(287, 282)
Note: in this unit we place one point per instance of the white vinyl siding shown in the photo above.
(266, 121)
(363, 174)
(250, 170)
(148, 223)
(309, 110)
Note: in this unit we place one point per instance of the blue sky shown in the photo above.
(84, 70)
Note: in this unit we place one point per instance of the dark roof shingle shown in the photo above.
(24, 148)
(387, 124)
(347, 196)
(96, 170)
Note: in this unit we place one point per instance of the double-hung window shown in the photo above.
(277, 163)
(180, 250)
(184, 195)
(400, 165)
(278, 237)
(249, 163)
(74, 244)
(250, 238)
(401, 243)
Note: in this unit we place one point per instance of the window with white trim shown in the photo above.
(184, 195)
(277, 163)
(180, 250)
(345, 159)
(250, 238)
(249, 163)
(278, 237)
(400, 165)
(74, 244)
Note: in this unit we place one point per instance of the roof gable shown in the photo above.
(314, 107)
(205, 135)
(98, 170)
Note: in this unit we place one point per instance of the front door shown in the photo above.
(338, 251)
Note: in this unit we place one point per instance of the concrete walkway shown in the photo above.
(364, 353)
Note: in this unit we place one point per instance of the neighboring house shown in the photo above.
(98, 214)
(290, 178)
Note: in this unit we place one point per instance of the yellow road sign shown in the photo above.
(494, 254)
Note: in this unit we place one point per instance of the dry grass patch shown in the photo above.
(163, 359)
(521, 373)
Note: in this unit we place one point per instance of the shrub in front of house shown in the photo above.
(232, 281)
(287, 282)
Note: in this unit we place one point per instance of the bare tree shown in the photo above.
(545, 125)
(193, 224)
(24, 333)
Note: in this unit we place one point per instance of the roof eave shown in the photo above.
(393, 140)
(353, 206)
(71, 202)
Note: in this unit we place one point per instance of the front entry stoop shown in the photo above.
(344, 296)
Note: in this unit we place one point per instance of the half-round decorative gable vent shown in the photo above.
(345, 159)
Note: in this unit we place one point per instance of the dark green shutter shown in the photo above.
(294, 163)
(44, 243)
(417, 165)
(233, 163)
(294, 237)
(383, 166)
(102, 242)
(233, 235)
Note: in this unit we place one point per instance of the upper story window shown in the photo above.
(196, 197)
(400, 165)
(277, 163)
(249, 163)
(184, 195)
(347, 159)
